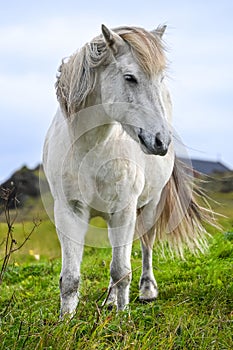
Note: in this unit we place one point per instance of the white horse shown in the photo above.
(109, 152)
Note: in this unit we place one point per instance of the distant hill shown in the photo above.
(22, 184)
(209, 167)
(22, 193)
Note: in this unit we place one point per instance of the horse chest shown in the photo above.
(111, 184)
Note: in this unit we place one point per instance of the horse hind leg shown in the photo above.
(148, 290)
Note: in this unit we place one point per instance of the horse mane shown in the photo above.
(181, 217)
(77, 76)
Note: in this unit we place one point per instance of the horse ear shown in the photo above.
(159, 31)
(113, 40)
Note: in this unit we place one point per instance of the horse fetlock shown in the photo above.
(122, 297)
(118, 295)
(68, 285)
(68, 304)
(148, 289)
(121, 281)
(69, 295)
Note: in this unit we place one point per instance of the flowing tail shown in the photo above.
(181, 217)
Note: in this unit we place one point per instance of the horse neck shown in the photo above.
(92, 124)
(91, 127)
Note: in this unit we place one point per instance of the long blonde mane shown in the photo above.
(77, 75)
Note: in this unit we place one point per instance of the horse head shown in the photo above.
(133, 87)
(123, 69)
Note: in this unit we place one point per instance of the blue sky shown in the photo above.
(36, 35)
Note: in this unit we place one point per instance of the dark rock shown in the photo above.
(21, 185)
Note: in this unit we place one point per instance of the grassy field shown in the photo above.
(194, 309)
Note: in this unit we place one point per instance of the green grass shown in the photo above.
(223, 205)
(194, 309)
(43, 243)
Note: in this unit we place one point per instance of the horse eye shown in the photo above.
(131, 78)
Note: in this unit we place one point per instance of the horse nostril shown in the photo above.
(158, 142)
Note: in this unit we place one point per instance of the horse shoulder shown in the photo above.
(55, 149)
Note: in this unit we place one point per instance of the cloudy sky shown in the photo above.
(36, 35)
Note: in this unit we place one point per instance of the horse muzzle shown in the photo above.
(157, 144)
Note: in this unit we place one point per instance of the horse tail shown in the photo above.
(181, 218)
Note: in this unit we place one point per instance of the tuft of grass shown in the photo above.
(194, 309)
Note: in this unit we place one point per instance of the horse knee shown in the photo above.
(121, 278)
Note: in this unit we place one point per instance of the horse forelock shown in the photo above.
(147, 48)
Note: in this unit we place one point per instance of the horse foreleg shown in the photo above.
(148, 290)
(71, 231)
(70, 275)
(121, 232)
(121, 274)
